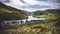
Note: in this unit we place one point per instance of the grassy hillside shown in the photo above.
(53, 16)
(10, 13)
(49, 14)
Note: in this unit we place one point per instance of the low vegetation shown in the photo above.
(41, 28)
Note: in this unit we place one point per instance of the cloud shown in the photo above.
(22, 1)
(56, 1)
(42, 0)
(33, 5)
(6, 1)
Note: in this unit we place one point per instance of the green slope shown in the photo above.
(9, 13)
(51, 14)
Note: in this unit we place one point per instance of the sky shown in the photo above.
(32, 5)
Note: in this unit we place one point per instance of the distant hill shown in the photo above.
(10, 13)
(38, 12)
(49, 14)
(54, 11)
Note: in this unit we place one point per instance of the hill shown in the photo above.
(10, 13)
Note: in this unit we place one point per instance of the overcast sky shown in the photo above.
(33, 5)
